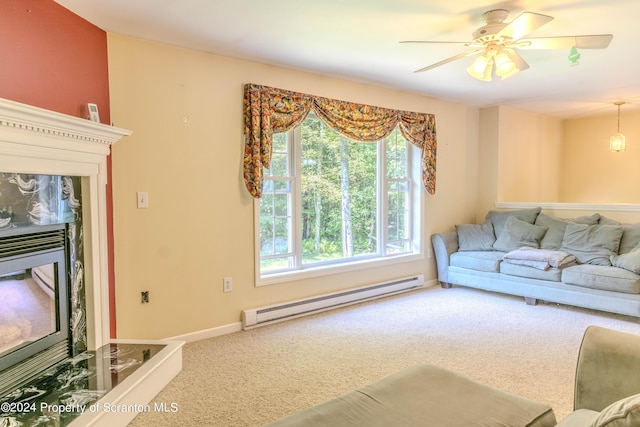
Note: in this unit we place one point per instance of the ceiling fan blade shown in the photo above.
(433, 41)
(446, 61)
(524, 23)
(596, 41)
(520, 63)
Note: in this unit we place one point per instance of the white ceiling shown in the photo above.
(359, 40)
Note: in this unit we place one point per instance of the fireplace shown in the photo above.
(41, 148)
(34, 314)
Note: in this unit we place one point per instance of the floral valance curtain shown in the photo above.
(269, 110)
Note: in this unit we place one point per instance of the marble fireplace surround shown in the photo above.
(38, 141)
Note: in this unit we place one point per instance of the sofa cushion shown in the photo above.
(630, 238)
(477, 260)
(622, 413)
(579, 418)
(603, 278)
(475, 237)
(592, 244)
(629, 261)
(556, 228)
(424, 395)
(517, 234)
(498, 218)
(552, 274)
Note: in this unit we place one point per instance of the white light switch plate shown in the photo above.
(143, 199)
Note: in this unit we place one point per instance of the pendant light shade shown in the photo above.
(617, 142)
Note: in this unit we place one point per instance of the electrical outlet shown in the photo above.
(144, 297)
(227, 284)
(429, 252)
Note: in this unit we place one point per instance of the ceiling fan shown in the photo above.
(496, 41)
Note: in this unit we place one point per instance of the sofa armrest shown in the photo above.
(444, 244)
(608, 368)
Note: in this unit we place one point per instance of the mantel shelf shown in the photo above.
(17, 118)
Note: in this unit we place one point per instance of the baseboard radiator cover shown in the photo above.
(289, 310)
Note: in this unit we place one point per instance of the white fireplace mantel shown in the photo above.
(38, 141)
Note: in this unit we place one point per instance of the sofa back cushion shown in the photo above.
(499, 218)
(630, 236)
(557, 226)
(475, 237)
(592, 244)
(517, 234)
(629, 260)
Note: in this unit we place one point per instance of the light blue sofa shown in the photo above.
(605, 275)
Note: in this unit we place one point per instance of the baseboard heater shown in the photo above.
(289, 310)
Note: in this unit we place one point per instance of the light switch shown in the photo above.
(143, 199)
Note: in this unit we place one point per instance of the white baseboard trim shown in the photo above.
(431, 283)
(237, 326)
(209, 333)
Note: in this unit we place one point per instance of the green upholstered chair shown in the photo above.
(607, 388)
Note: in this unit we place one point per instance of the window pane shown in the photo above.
(280, 159)
(336, 188)
(398, 247)
(267, 237)
(275, 218)
(339, 187)
(398, 211)
(396, 155)
(270, 265)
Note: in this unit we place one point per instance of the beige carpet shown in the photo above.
(253, 377)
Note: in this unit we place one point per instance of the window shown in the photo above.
(330, 202)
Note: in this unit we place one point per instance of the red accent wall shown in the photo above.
(54, 59)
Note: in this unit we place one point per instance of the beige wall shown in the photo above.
(520, 159)
(185, 109)
(547, 160)
(592, 173)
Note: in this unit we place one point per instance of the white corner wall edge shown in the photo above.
(132, 396)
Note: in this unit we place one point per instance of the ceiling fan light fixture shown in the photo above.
(505, 65)
(617, 142)
(481, 68)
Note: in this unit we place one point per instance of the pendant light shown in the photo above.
(617, 141)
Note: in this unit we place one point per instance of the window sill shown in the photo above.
(325, 270)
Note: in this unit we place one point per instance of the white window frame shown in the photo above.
(300, 272)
